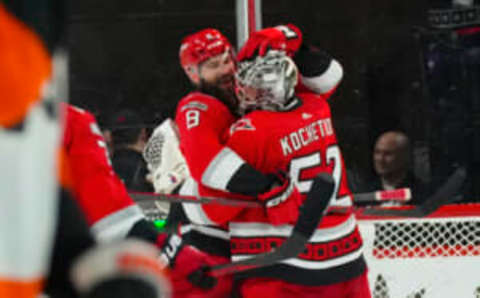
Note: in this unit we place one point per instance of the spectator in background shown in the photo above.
(392, 165)
(107, 135)
(129, 137)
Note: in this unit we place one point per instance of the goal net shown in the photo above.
(437, 256)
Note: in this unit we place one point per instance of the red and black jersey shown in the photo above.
(204, 123)
(302, 142)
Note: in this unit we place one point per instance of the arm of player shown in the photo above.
(202, 121)
(319, 72)
(110, 212)
(282, 200)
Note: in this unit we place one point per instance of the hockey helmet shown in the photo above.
(202, 45)
(266, 82)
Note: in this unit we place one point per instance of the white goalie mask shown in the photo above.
(266, 83)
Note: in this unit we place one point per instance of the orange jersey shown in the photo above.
(26, 68)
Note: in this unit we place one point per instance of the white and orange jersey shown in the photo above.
(28, 179)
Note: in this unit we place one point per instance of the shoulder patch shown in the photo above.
(242, 124)
(194, 105)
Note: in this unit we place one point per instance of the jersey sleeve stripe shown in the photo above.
(118, 224)
(221, 169)
(194, 212)
(327, 80)
(20, 288)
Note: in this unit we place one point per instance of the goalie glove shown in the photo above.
(124, 269)
(286, 38)
(167, 166)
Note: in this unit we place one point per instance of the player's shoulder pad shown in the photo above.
(307, 97)
(77, 117)
(76, 111)
(199, 101)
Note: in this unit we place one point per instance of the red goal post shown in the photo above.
(435, 256)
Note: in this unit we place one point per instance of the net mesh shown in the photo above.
(429, 257)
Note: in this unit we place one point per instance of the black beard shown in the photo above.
(225, 96)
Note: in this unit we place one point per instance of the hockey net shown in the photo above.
(437, 256)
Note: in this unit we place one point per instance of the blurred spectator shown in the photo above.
(129, 137)
(107, 135)
(392, 165)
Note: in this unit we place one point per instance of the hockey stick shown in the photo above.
(399, 195)
(142, 197)
(446, 194)
(311, 212)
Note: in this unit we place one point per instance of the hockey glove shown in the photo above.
(125, 269)
(286, 38)
(189, 270)
(282, 202)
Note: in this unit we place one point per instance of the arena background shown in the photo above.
(124, 54)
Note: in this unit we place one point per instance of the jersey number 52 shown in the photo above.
(310, 162)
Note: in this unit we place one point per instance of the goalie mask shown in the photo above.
(266, 83)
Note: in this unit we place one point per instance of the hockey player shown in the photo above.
(203, 118)
(293, 132)
(43, 233)
(29, 136)
(113, 215)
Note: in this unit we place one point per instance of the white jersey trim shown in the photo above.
(117, 225)
(345, 201)
(221, 169)
(194, 212)
(304, 264)
(263, 229)
(327, 81)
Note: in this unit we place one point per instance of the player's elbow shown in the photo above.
(327, 81)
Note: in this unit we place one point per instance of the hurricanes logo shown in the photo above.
(242, 124)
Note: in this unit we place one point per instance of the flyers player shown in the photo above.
(44, 236)
(293, 132)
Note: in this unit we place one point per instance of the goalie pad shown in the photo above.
(167, 166)
(122, 269)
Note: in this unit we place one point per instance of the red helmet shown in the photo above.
(201, 46)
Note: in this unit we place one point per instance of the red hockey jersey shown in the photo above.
(301, 142)
(204, 122)
(100, 193)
